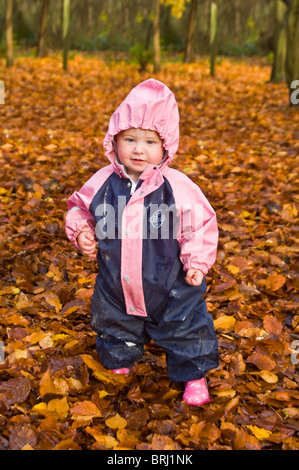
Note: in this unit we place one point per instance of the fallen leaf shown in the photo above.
(59, 406)
(275, 282)
(22, 435)
(233, 269)
(15, 390)
(268, 376)
(56, 407)
(47, 386)
(259, 433)
(272, 325)
(10, 290)
(108, 442)
(225, 323)
(261, 361)
(116, 422)
(85, 408)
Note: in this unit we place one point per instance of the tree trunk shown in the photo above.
(213, 37)
(292, 56)
(9, 32)
(66, 31)
(156, 39)
(42, 29)
(2, 97)
(90, 17)
(190, 32)
(237, 19)
(280, 42)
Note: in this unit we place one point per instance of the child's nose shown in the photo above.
(138, 147)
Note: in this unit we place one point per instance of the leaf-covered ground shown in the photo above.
(240, 143)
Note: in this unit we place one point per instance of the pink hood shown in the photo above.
(150, 105)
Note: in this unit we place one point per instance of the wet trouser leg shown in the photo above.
(184, 329)
(120, 337)
(186, 333)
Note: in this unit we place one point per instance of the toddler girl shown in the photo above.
(155, 237)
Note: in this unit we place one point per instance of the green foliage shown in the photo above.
(231, 48)
(270, 57)
(124, 25)
(141, 55)
(177, 6)
(102, 42)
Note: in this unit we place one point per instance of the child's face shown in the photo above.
(137, 148)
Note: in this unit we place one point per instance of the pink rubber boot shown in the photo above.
(124, 371)
(196, 392)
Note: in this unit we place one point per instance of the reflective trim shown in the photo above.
(75, 208)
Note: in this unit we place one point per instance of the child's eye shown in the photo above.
(129, 139)
(150, 142)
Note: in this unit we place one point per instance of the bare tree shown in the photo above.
(42, 29)
(190, 31)
(66, 31)
(213, 36)
(156, 38)
(280, 43)
(9, 32)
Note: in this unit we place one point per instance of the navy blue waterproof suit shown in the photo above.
(140, 292)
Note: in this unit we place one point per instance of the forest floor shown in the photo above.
(240, 144)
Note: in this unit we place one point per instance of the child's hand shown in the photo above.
(87, 244)
(194, 277)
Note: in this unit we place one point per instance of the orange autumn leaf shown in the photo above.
(58, 408)
(116, 422)
(225, 322)
(52, 386)
(262, 361)
(275, 282)
(272, 325)
(85, 408)
(108, 442)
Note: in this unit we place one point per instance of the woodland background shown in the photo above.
(239, 143)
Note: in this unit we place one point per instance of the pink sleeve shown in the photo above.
(198, 231)
(78, 217)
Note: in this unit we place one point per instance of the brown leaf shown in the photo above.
(272, 325)
(262, 361)
(275, 282)
(238, 364)
(107, 442)
(137, 419)
(47, 386)
(23, 434)
(252, 443)
(160, 442)
(128, 438)
(15, 390)
(85, 408)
